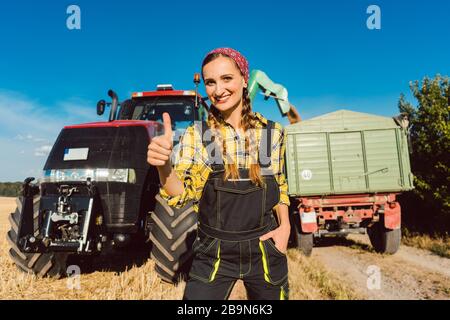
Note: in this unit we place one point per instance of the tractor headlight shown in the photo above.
(80, 175)
(116, 175)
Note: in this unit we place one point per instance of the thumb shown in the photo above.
(167, 126)
(266, 236)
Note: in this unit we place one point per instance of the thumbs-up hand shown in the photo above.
(167, 126)
(160, 148)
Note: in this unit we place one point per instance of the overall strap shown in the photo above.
(202, 127)
(265, 156)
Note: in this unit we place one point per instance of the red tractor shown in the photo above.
(97, 192)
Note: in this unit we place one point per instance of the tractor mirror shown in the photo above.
(101, 107)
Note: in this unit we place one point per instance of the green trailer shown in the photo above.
(344, 170)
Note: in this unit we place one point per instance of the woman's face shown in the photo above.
(224, 84)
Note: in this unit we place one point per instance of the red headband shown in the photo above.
(240, 60)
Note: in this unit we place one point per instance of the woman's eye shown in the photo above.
(228, 78)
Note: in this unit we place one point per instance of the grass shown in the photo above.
(439, 245)
(309, 280)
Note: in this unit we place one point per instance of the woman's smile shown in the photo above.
(222, 99)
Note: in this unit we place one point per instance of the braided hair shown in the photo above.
(248, 124)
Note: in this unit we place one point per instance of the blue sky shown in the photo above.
(322, 51)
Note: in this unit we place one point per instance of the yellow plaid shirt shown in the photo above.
(191, 160)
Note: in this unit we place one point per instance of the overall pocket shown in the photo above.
(203, 243)
(240, 205)
(271, 243)
(274, 263)
(206, 259)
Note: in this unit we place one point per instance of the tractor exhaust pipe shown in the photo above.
(114, 104)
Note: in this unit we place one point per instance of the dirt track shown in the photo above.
(338, 269)
(409, 274)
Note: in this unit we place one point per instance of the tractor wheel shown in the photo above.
(172, 235)
(384, 240)
(42, 264)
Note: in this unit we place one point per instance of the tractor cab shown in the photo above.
(150, 105)
(183, 106)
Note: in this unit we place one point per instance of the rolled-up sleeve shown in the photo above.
(186, 166)
(278, 151)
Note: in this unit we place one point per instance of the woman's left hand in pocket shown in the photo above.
(280, 236)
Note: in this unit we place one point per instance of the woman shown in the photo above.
(235, 182)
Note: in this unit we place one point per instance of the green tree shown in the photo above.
(427, 208)
(10, 189)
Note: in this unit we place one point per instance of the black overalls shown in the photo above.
(232, 217)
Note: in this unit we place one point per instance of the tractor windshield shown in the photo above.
(181, 109)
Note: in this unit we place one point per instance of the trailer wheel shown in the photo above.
(384, 240)
(305, 242)
(42, 264)
(172, 235)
